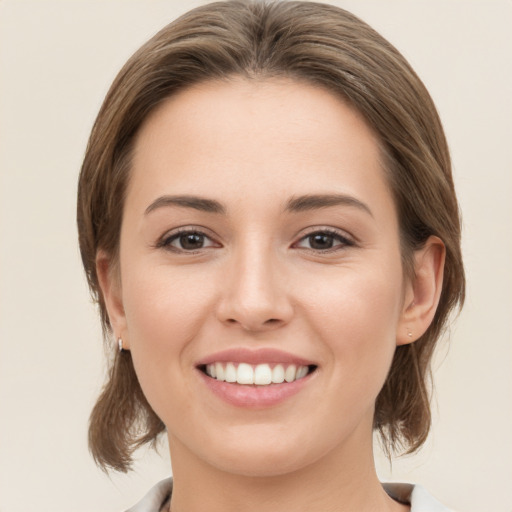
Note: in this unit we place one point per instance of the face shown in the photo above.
(259, 243)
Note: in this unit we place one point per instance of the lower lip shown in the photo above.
(254, 397)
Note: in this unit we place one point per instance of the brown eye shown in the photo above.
(324, 241)
(191, 241)
(321, 241)
(187, 241)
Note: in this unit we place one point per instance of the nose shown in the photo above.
(255, 295)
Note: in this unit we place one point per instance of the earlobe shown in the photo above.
(110, 284)
(423, 291)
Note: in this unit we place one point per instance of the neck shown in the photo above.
(344, 480)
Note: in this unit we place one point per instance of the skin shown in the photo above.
(259, 281)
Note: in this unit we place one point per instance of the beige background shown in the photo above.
(57, 59)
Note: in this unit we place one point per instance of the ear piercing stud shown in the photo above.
(120, 344)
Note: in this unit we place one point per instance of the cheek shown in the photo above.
(163, 301)
(360, 299)
(164, 312)
(357, 319)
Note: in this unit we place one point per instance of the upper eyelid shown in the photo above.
(330, 230)
(188, 229)
(344, 241)
(202, 229)
(173, 233)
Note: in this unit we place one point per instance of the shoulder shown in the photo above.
(155, 499)
(415, 495)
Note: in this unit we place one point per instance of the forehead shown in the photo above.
(261, 138)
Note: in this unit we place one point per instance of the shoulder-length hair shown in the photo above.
(312, 42)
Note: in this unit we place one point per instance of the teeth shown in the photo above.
(278, 374)
(290, 373)
(244, 374)
(231, 373)
(302, 371)
(219, 371)
(260, 375)
(211, 371)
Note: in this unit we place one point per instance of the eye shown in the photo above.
(187, 241)
(324, 240)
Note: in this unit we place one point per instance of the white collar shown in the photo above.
(415, 495)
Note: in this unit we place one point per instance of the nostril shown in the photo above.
(254, 323)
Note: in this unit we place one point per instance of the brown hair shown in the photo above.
(323, 45)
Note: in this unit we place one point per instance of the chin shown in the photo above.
(264, 454)
(261, 465)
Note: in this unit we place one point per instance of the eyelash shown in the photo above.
(336, 235)
(166, 241)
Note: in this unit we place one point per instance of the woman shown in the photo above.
(268, 222)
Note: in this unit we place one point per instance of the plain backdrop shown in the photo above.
(57, 60)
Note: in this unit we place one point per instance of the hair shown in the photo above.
(322, 45)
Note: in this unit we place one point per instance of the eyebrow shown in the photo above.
(297, 204)
(197, 203)
(316, 201)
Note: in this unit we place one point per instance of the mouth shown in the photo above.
(256, 379)
(262, 374)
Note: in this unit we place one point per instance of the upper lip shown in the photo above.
(254, 356)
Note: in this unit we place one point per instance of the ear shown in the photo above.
(422, 291)
(110, 283)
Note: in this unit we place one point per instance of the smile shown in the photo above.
(255, 379)
(261, 374)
